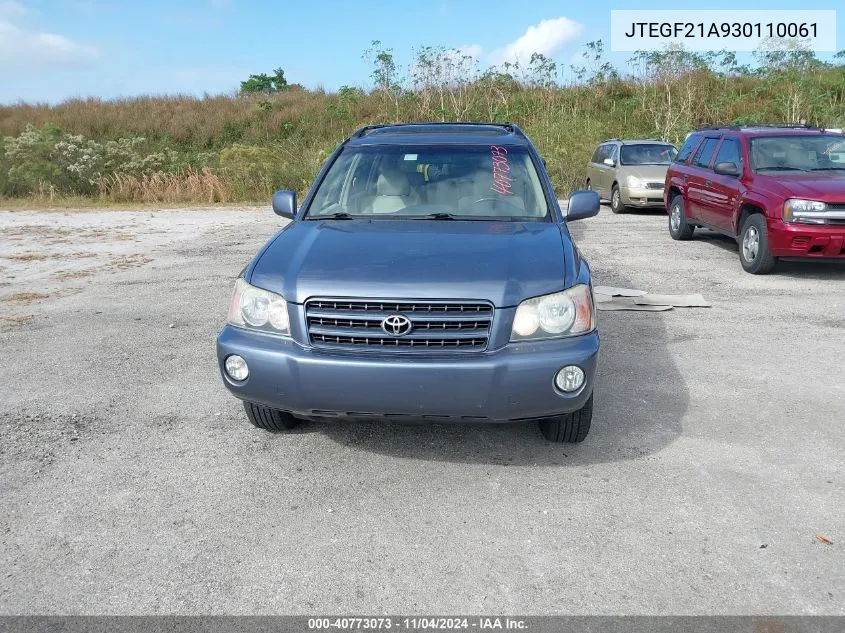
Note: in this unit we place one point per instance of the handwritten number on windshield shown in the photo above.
(502, 181)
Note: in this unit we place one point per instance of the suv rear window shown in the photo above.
(705, 153)
(687, 148)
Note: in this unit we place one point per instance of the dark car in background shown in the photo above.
(429, 275)
(779, 191)
(630, 173)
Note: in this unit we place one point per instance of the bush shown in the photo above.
(253, 171)
(33, 161)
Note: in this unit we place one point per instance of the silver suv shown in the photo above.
(630, 173)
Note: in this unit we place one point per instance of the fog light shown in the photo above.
(236, 368)
(570, 378)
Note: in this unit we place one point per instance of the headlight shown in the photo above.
(636, 183)
(567, 313)
(804, 211)
(257, 309)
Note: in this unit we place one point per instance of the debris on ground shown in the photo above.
(676, 301)
(618, 292)
(626, 303)
(610, 298)
(822, 539)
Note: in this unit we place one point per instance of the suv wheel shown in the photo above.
(679, 229)
(616, 200)
(269, 419)
(754, 246)
(572, 427)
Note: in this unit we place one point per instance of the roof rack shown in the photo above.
(511, 127)
(362, 131)
(744, 126)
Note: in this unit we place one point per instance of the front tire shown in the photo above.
(269, 419)
(679, 228)
(571, 427)
(754, 254)
(616, 200)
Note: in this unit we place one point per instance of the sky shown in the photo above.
(51, 50)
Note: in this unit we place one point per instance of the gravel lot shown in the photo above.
(132, 482)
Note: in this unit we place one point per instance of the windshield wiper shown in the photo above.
(827, 169)
(340, 215)
(780, 168)
(437, 216)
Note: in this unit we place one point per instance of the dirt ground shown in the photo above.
(132, 483)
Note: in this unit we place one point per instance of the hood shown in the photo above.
(501, 262)
(826, 186)
(645, 172)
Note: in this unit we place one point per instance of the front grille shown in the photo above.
(654, 185)
(434, 325)
(838, 208)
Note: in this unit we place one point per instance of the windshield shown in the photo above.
(647, 154)
(431, 182)
(813, 152)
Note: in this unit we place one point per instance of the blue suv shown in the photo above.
(429, 275)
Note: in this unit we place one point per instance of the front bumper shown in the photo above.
(641, 197)
(788, 239)
(512, 383)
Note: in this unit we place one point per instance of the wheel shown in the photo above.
(269, 419)
(616, 200)
(679, 229)
(754, 251)
(572, 427)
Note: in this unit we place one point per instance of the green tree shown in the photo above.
(264, 83)
(385, 74)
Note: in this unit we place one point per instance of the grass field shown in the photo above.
(178, 149)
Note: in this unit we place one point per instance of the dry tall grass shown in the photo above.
(260, 143)
(189, 186)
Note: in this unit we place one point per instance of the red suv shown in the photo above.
(779, 191)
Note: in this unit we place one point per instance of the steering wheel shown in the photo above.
(494, 201)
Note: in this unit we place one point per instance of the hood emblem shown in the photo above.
(396, 325)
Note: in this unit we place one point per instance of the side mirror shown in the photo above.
(582, 204)
(609, 162)
(284, 203)
(726, 169)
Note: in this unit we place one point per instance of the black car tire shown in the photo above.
(616, 200)
(570, 428)
(754, 230)
(681, 230)
(269, 419)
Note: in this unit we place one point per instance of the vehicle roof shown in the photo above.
(767, 130)
(439, 134)
(636, 141)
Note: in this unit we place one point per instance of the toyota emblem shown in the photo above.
(396, 325)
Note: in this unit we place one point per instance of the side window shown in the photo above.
(597, 157)
(705, 152)
(331, 188)
(614, 153)
(729, 152)
(605, 153)
(687, 148)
